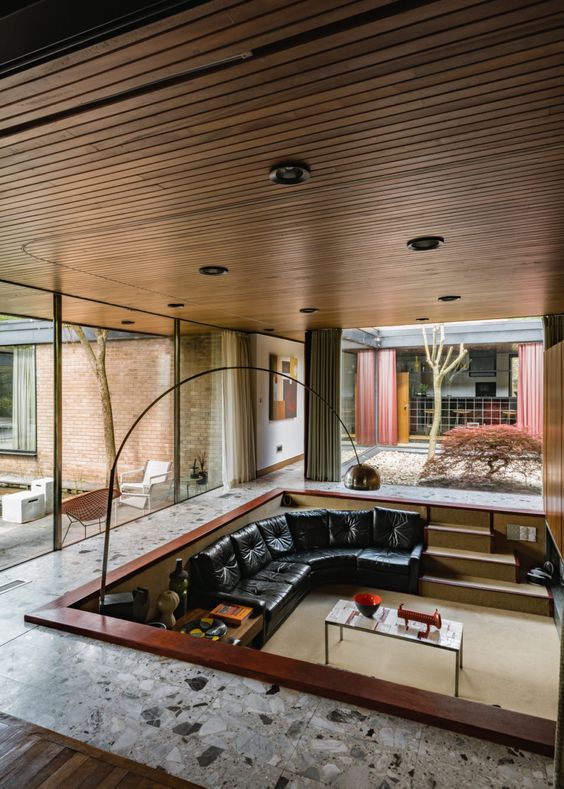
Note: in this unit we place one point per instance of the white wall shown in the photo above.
(286, 432)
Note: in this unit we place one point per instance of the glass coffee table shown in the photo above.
(385, 622)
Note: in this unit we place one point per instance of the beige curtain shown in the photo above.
(323, 371)
(238, 447)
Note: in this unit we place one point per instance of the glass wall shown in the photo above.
(201, 421)
(109, 377)
(26, 435)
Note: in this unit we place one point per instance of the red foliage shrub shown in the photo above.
(478, 454)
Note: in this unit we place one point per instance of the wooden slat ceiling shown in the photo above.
(415, 117)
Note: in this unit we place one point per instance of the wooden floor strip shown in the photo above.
(35, 758)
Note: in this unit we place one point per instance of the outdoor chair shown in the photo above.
(137, 485)
(87, 508)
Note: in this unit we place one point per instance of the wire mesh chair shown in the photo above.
(86, 508)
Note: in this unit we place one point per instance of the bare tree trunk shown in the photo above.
(441, 368)
(97, 359)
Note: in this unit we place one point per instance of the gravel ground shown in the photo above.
(404, 468)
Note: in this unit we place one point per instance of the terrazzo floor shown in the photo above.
(214, 728)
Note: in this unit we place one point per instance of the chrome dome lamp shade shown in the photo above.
(361, 476)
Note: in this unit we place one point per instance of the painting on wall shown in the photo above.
(283, 392)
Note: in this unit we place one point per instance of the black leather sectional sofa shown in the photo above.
(271, 564)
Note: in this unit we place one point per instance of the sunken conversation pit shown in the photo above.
(271, 553)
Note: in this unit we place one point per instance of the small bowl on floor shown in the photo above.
(367, 604)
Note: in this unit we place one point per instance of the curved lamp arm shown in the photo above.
(365, 471)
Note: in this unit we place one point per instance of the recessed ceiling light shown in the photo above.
(175, 305)
(289, 173)
(268, 329)
(421, 319)
(128, 323)
(309, 310)
(425, 243)
(213, 271)
(449, 298)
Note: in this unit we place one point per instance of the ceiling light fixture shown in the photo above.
(213, 271)
(289, 173)
(449, 298)
(268, 329)
(309, 310)
(175, 305)
(127, 323)
(421, 319)
(425, 243)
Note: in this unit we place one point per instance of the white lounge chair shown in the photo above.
(137, 485)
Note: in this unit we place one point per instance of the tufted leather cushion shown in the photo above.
(309, 529)
(273, 594)
(276, 534)
(251, 550)
(350, 528)
(283, 572)
(218, 566)
(384, 560)
(397, 529)
(326, 557)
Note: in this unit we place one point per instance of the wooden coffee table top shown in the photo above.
(245, 632)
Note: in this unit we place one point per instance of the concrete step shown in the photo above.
(528, 598)
(439, 561)
(469, 538)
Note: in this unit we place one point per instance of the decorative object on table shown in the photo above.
(367, 603)
(431, 620)
(195, 472)
(167, 602)
(140, 604)
(541, 575)
(179, 584)
(158, 625)
(206, 627)
(233, 615)
(203, 474)
(118, 605)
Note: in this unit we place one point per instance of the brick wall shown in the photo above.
(138, 371)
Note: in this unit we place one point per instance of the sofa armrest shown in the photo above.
(414, 563)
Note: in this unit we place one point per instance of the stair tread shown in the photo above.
(527, 590)
(484, 530)
(462, 553)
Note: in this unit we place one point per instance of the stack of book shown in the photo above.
(233, 615)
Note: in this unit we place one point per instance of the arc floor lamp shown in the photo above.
(358, 477)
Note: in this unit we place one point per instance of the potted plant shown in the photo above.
(203, 474)
(195, 472)
(423, 389)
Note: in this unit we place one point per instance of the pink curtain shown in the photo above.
(387, 398)
(530, 388)
(365, 398)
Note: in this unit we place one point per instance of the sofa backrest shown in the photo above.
(397, 529)
(350, 528)
(277, 535)
(218, 566)
(250, 550)
(309, 528)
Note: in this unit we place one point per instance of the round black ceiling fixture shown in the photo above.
(268, 329)
(450, 298)
(213, 271)
(175, 305)
(309, 310)
(425, 243)
(127, 323)
(289, 173)
(421, 319)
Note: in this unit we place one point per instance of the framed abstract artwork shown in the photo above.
(283, 395)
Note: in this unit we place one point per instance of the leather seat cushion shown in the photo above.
(218, 566)
(326, 557)
(384, 560)
(350, 528)
(309, 529)
(251, 550)
(283, 572)
(397, 529)
(273, 594)
(276, 534)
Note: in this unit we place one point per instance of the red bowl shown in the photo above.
(367, 604)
